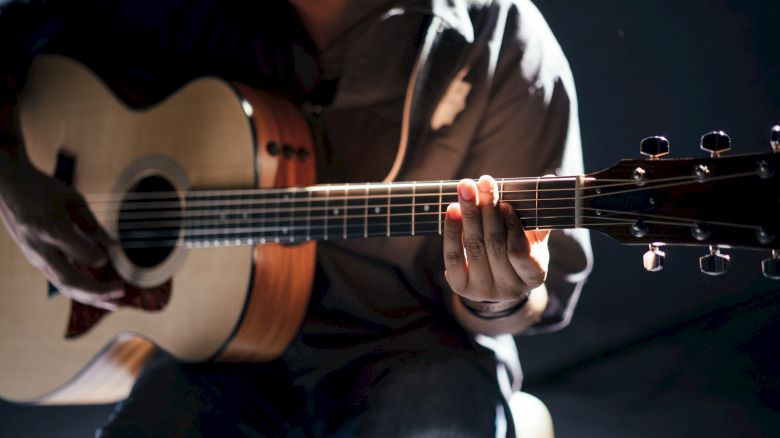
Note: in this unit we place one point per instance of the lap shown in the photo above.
(409, 395)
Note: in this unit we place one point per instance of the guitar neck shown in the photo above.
(330, 212)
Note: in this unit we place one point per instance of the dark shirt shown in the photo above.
(509, 101)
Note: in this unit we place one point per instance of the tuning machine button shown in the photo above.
(654, 147)
(653, 259)
(716, 143)
(771, 266)
(714, 263)
(774, 139)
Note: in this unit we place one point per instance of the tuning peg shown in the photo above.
(653, 260)
(714, 263)
(771, 266)
(654, 147)
(774, 140)
(715, 142)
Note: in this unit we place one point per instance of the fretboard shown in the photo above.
(208, 218)
(349, 211)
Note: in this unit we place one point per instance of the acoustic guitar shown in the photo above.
(212, 196)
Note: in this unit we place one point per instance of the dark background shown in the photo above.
(674, 353)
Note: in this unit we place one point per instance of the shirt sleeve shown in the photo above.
(530, 127)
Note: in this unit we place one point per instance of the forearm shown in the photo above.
(514, 323)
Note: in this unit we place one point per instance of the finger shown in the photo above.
(67, 276)
(519, 250)
(454, 260)
(90, 232)
(505, 280)
(479, 277)
(76, 245)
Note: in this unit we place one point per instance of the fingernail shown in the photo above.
(465, 192)
(453, 212)
(484, 184)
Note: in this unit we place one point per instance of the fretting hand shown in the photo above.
(488, 256)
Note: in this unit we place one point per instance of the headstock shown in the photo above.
(716, 202)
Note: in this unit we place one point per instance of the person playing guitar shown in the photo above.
(387, 346)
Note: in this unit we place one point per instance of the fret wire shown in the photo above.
(365, 216)
(414, 201)
(388, 209)
(308, 217)
(537, 201)
(441, 184)
(293, 215)
(327, 208)
(346, 213)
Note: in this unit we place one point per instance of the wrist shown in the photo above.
(492, 309)
(515, 323)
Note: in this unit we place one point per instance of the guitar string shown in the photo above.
(295, 207)
(282, 231)
(295, 200)
(237, 241)
(175, 201)
(351, 211)
(712, 178)
(275, 225)
(210, 233)
(198, 223)
(250, 240)
(362, 186)
(315, 188)
(242, 203)
(206, 217)
(692, 222)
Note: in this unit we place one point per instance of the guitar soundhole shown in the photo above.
(149, 221)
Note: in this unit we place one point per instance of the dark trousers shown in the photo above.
(430, 395)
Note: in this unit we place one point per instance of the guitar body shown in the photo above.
(233, 303)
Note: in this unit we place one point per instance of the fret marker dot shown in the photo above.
(238, 242)
(286, 196)
(244, 215)
(426, 207)
(335, 212)
(262, 240)
(377, 210)
(284, 230)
